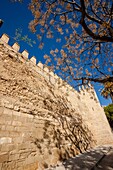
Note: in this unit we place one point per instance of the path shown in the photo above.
(95, 159)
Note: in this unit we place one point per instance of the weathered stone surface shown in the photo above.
(3, 157)
(98, 158)
(16, 46)
(39, 121)
(5, 140)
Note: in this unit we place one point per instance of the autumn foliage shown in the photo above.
(84, 28)
(107, 91)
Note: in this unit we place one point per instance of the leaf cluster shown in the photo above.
(84, 28)
(109, 113)
(19, 37)
(107, 91)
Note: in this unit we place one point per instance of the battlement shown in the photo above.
(24, 57)
(43, 70)
(40, 113)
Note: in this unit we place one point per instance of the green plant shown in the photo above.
(109, 113)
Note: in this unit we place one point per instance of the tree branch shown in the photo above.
(88, 31)
(98, 80)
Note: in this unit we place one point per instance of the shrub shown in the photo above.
(109, 113)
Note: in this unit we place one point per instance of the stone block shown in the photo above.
(18, 118)
(5, 140)
(22, 129)
(32, 166)
(4, 133)
(33, 60)
(40, 65)
(29, 160)
(16, 123)
(51, 73)
(16, 46)
(1, 110)
(13, 157)
(16, 108)
(46, 69)
(46, 76)
(56, 77)
(30, 116)
(20, 164)
(15, 113)
(9, 128)
(4, 157)
(2, 121)
(7, 112)
(28, 136)
(5, 38)
(13, 55)
(8, 105)
(17, 140)
(25, 54)
(52, 80)
(24, 110)
(7, 148)
(3, 127)
(24, 155)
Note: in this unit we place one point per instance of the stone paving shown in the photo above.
(95, 159)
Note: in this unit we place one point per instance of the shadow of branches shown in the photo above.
(65, 129)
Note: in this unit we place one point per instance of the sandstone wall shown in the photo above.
(42, 122)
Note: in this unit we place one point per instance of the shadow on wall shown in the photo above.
(69, 135)
(100, 158)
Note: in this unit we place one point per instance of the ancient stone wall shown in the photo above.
(42, 121)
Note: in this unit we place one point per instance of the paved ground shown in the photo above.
(96, 159)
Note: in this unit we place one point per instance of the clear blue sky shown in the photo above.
(17, 15)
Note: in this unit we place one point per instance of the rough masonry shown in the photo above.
(42, 119)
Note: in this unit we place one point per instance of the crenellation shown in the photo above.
(5, 38)
(46, 69)
(95, 97)
(38, 109)
(7, 46)
(71, 89)
(60, 81)
(53, 78)
(40, 65)
(86, 87)
(16, 47)
(33, 60)
(90, 85)
(83, 87)
(56, 77)
(51, 73)
(79, 88)
(25, 54)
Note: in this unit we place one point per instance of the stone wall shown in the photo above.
(41, 121)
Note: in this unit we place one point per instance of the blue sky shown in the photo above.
(17, 15)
